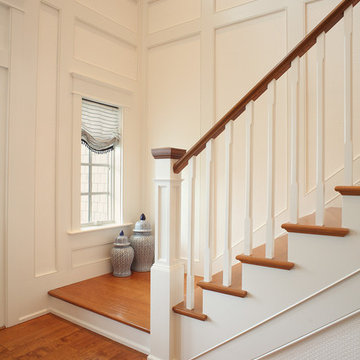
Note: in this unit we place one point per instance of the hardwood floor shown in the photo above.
(51, 338)
(126, 300)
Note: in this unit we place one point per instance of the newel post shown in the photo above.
(167, 273)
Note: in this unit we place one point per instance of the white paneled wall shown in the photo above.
(236, 42)
(4, 49)
(60, 51)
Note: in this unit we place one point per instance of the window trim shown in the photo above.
(121, 96)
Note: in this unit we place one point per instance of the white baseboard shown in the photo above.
(33, 315)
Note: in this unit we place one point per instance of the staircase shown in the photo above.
(303, 277)
(295, 284)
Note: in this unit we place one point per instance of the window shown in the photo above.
(97, 187)
(100, 136)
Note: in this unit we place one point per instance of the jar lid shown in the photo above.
(142, 225)
(122, 240)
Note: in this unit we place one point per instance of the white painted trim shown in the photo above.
(228, 18)
(126, 35)
(100, 331)
(33, 315)
(311, 333)
(235, 6)
(39, 275)
(125, 29)
(93, 80)
(98, 228)
(4, 58)
(89, 262)
(10, 4)
(175, 33)
(152, 357)
(279, 313)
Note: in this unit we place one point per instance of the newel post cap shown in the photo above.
(168, 153)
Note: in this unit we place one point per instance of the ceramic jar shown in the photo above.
(122, 255)
(143, 243)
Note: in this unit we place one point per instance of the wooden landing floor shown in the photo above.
(126, 300)
(51, 338)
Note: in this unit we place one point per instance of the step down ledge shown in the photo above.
(315, 229)
(348, 190)
(277, 264)
(182, 310)
(222, 289)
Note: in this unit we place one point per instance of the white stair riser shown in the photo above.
(351, 213)
(114, 330)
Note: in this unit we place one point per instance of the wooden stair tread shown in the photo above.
(229, 290)
(126, 300)
(280, 259)
(261, 261)
(195, 313)
(332, 224)
(348, 190)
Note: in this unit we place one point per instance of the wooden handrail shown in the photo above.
(302, 48)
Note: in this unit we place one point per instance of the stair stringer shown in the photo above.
(295, 322)
(320, 261)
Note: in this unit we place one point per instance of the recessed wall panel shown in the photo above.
(164, 14)
(245, 52)
(124, 12)
(174, 93)
(227, 4)
(91, 255)
(3, 171)
(104, 50)
(334, 90)
(4, 28)
(46, 140)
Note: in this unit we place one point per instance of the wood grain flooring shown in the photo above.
(126, 300)
(51, 338)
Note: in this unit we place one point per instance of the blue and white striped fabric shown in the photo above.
(100, 126)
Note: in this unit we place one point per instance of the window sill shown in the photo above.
(88, 229)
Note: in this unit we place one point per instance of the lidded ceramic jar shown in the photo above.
(122, 255)
(143, 243)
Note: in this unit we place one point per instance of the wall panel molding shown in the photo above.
(177, 12)
(91, 43)
(4, 58)
(126, 32)
(230, 4)
(14, 4)
(175, 33)
(90, 255)
(46, 148)
(109, 26)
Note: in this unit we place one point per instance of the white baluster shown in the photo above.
(208, 210)
(294, 113)
(248, 226)
(270, 171)
(190, 235)
(228, 195)
(320, 187)
(348, 95)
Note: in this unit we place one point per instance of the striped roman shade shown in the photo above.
(100, 126)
